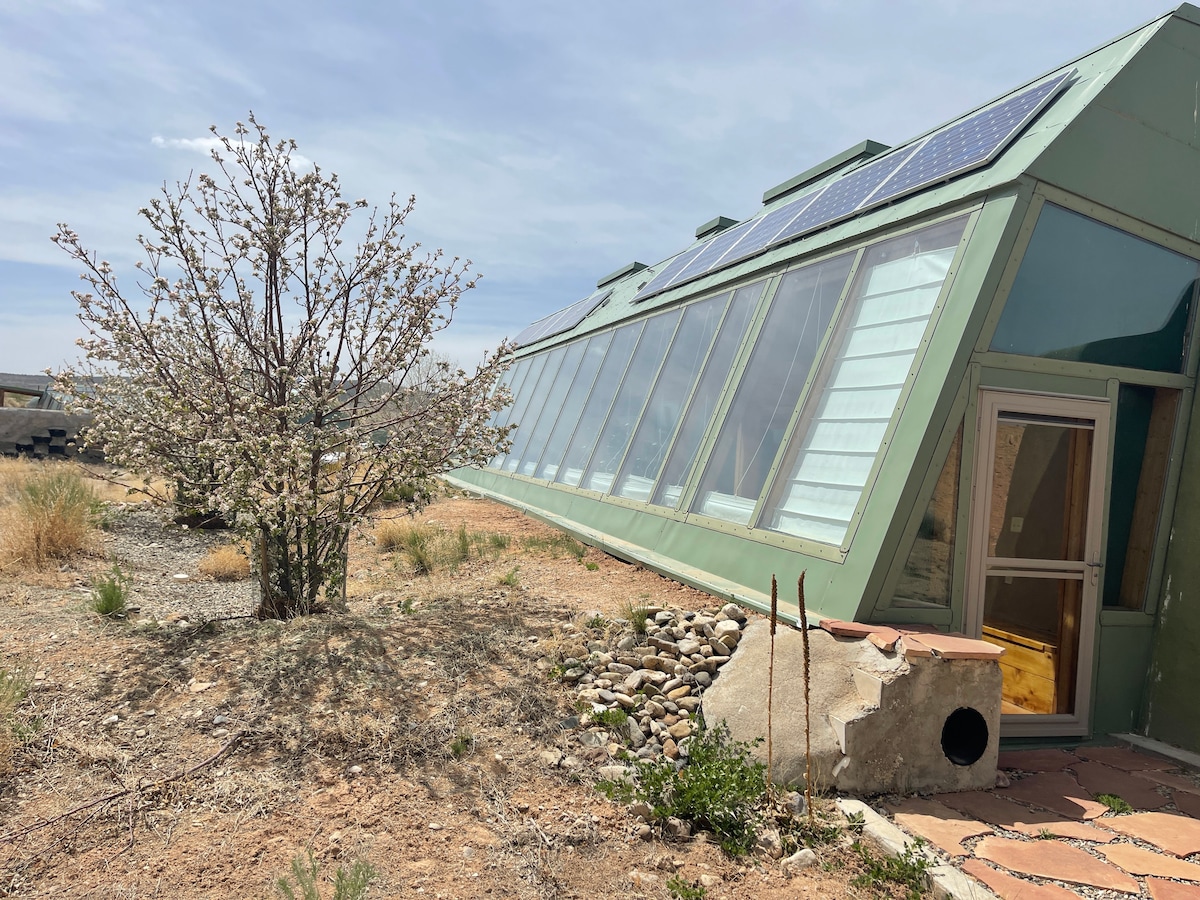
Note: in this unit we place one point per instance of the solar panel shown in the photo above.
(563, 320)
(971, 143)
(843, 197)
(660, 281)
(711, 254)
(766, 227)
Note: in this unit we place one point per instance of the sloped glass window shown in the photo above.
(850, 407)
(568, 419)
(531, 450)
(595, 411)
(664, 409)
(631, 397)
(769, 390)
(1088, 292)
(505, 416)
(533, 406)
(707, 396)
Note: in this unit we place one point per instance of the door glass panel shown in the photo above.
(1093, 293)
(665, 406)
(631, 396)
(599, 401)
(706, 398)
(769, 390)
(1040, 479)
(568, 419)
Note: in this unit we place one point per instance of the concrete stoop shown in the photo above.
(883, 720)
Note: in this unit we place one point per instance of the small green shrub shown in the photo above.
(560, 544)
(509, 578)
(591, 566)
(349, 884)
(682, 889)
(462, 745)
(610, 718)
(719, 789)
(637, 615)
(908, 870)
(597, 622)
(110, 592)
(1115, 803)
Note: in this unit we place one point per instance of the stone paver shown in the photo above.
(1009, 887)
(959, 646)
(1052, 859)
(1036, 760)
(1124, 758)
(1169, 831)
(938, 824)
(987, 807)
(1137, 861)
(1187, 803)
(1172, 890)
(1173, 780)
(1055, 791)
(1097, 778)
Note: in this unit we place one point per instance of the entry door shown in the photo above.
(1035, 553)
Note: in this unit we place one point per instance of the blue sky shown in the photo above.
(550, 142)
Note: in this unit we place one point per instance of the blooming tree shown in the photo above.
(269, 369)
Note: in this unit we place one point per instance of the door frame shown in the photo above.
(1099, 411)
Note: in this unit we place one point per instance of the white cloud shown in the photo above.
(206, 145)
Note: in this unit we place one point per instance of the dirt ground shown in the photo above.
(167, 757)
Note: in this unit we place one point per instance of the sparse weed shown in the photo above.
(720, 788)
(389, 535)
(13, 689)
(110, 592)
(430, 548)
(682, 889)
(637, 614)
(227, 562)
(349, 884)
(510, 578)
(1115, 803)
(609, 718)
(462, 745)
(908, 870)
(561, 544)
(597, 621)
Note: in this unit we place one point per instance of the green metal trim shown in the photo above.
(1021, 380)
(715, 226)
(1126, 618)
(627, 269)
(1162, 541)
(1092, 371)
(863, 150)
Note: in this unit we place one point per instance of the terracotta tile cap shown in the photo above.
(1098, 778)
(1171, 890)
(840, 628)
(1055, 791)
(1036, 760)
(957, 646)
(1137, 861)
(884, 638)
(1056, 860)
(938, 824)
(914, 648)
(1168, 831)
(1009, 887)
(1124, 758)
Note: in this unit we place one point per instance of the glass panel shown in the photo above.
(926, 577)
(535, 442)
(533, 407)
(521, 380)
(1040, 478)
(848, 415)
(598, 403)
(631, 396)
(707, 396)
(1141, 453)
(769, 389)
(581, 386)
(665, 406)
(1089, 292)
(1036, 621)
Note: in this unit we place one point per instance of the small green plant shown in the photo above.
(720, 789)
(509, 578)
(856, 822)
(591, 566)
(559, 545)
(908, 870)
(597, 621)
(462, 745)
(406, 606)
(462, 545)
(13, 688)
(348, 884)
(610, 718)
(1115, 803)
(1045, 835)
(637, 614)
(418, 545)
(682, 889)
(110, 592)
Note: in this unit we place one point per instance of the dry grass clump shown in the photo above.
(12, 693)
(430, 548)
(227, 562)
(47, 512)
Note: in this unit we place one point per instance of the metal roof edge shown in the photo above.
(860, 151)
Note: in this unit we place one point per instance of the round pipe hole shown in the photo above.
(964, 736)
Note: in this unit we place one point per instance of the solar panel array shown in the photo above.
(968, 144)
(563, 320)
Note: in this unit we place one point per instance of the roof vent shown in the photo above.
(856, 154)
(634, 266)
(713, 226)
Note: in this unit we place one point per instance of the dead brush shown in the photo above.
(48, 512)
(227, 562)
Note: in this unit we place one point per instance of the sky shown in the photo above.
(549, 142)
